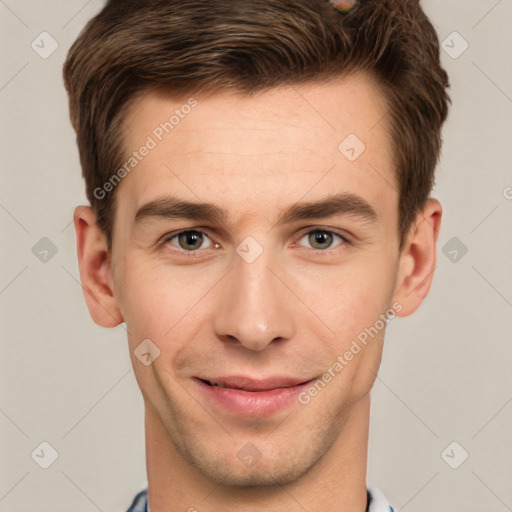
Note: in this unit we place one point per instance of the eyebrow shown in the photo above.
(171, 207)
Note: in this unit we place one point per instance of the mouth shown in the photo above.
(245, 396)
(255, 385)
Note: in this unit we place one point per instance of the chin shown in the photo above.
(268, 475)
(278, 466)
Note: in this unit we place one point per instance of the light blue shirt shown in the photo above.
(376, 501)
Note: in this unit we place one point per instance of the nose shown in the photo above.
(254, 307)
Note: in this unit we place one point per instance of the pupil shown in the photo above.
(190, 238)
(321, 238)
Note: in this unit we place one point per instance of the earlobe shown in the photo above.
(418, 259)
(94, 264)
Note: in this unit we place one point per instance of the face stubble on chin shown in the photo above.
(289, 312)
(282, 462)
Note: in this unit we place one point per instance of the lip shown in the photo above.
(246, 396)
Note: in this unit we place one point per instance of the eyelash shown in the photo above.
(343, 240)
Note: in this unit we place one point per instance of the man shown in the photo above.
(259, 174)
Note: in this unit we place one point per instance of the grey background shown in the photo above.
(445, 375)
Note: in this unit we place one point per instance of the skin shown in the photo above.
(291, 312)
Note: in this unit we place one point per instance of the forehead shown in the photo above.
(271, 148)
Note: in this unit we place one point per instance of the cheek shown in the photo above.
(351, 297)
(149, 301)
(352, 302)
(157, 306)
(160, 302)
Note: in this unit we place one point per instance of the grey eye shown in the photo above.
(321, 239)
(190, 240)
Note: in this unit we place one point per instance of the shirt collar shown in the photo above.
(376, 501)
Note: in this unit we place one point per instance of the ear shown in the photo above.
(94, 264)
(417, 261)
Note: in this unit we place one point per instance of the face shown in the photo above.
(268, 286)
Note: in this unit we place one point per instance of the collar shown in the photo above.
(376, 502)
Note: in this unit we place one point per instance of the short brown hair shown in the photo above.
(194, 46)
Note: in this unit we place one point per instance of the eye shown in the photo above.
(189, 241)
(322, 239)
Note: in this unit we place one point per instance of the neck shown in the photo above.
(337, 482)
